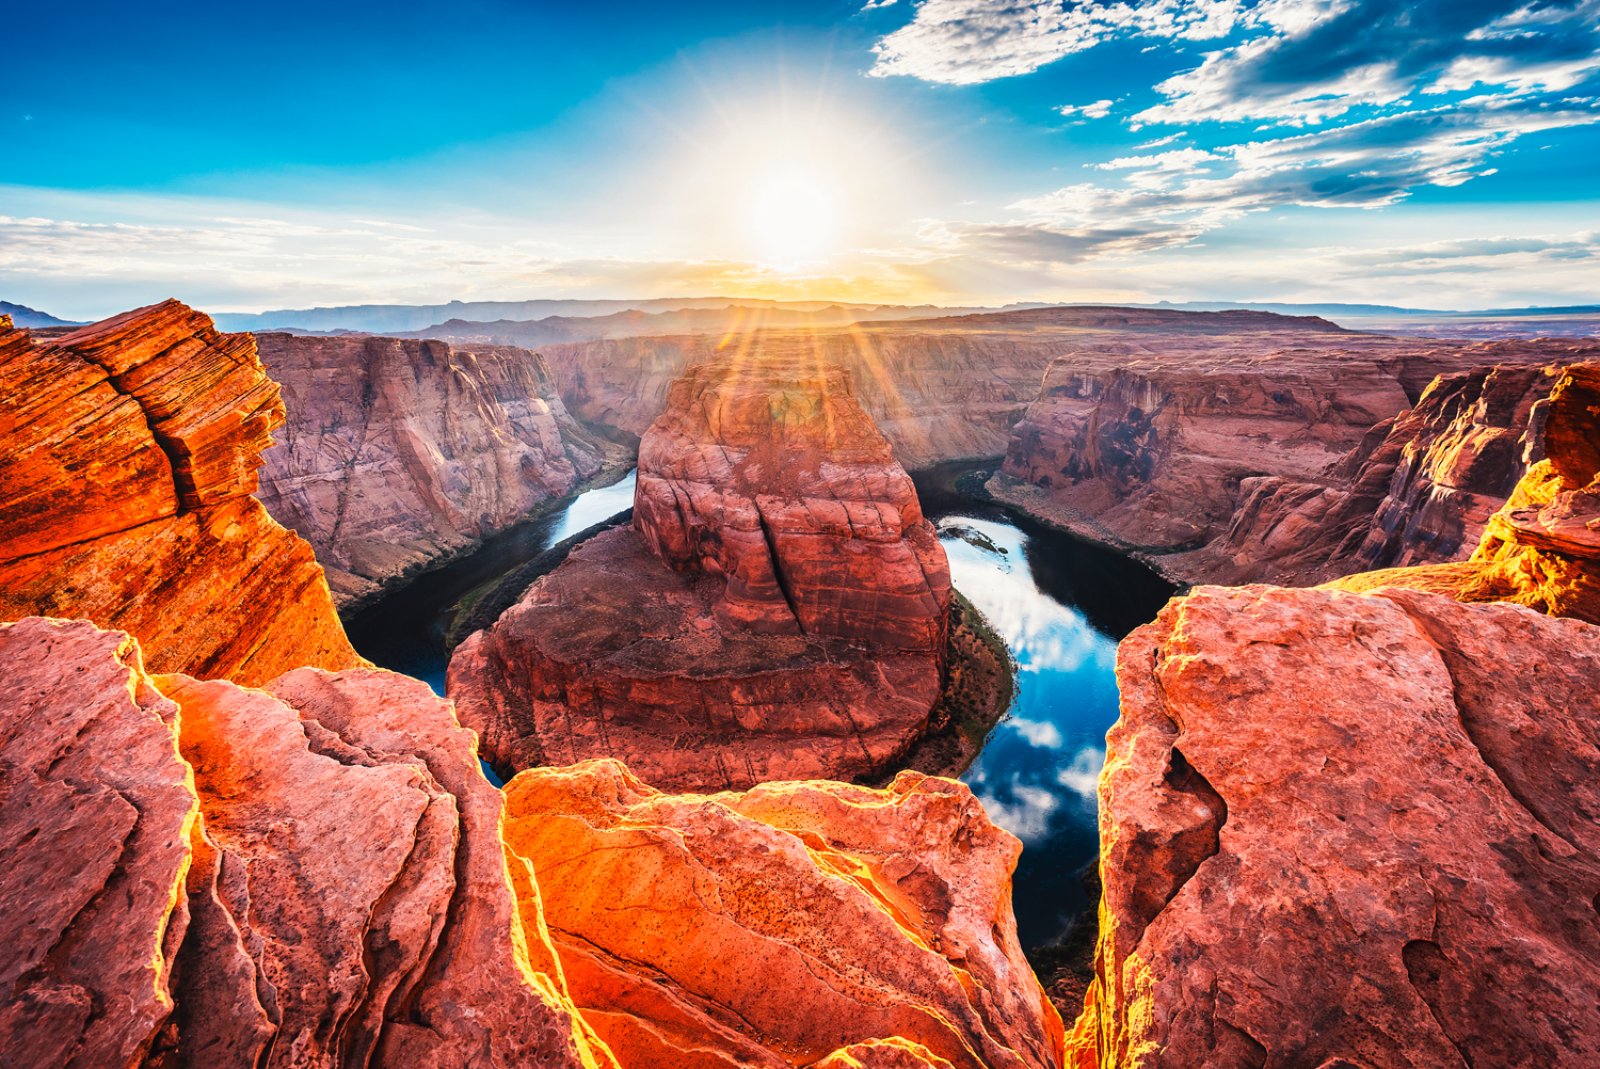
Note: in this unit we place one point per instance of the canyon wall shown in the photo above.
(941, 389)
(778, 609)
(400, 453)
(128, 453)
(1239, 462)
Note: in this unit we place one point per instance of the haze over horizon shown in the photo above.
(1435, 154)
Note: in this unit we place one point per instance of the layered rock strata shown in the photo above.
(778, 608)
(1345, 830)
(399, 453)
(1542, 548)
(128, 453)
(1239, 462)
(795, 924)
(309, 875)
(941, 389)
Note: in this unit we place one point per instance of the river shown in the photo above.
(1061, 605)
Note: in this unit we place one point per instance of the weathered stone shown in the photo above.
(775, 927)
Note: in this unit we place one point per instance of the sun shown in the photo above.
(792, 217)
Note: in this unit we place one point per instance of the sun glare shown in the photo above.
(792, 218)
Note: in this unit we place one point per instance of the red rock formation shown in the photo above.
(399, 453)
(96, 813)
(128, 451)
(778, 609)
(1542, 549)
(796, 924)
(1349, 830)
(1243, 458)
(325, 887)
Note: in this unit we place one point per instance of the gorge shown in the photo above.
(1416, 745)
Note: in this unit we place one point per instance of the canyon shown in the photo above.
(1234, 461)
(777, 609)
(1340, 824)
(402, 454)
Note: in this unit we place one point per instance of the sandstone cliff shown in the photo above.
(777, 610)
(1542, 548)
(398, 453)
(128, 453)
(796, 924)
(1342, 830)
(1236, 462)
(309, 874)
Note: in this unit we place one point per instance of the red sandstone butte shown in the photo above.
(399, 453)
(797, 924)
(305, 875)
(1349, 830)
(128, 453)
(778, 610)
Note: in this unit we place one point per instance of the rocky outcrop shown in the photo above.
(128, 453)
(310, 874)
(1542, 548)
(399, 453)
(1349, 830)
(778, 609)
(939, 389)
(798, 924)
(1236, 462)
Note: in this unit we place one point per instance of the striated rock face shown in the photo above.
(939, 389)
(398, 453)
(128, 451)
(1542, 549)
(810, 924)
(778, 609)
(1349, 830)
(773, 478)
(1236, 461)
(305, 875)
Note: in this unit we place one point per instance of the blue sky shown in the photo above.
(1443, 153)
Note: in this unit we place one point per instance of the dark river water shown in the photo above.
(1061, 604)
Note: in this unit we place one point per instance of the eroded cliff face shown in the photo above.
(1237, 462)
(942, 389)
(1343, 829)
(794, 924)
(777, 610)
(1542, 548)
(128, 453)
(399, 453)
(307, 874)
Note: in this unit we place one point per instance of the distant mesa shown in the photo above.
(778, 608)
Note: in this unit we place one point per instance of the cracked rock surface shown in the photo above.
(1343, 829)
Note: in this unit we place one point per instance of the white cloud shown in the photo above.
(1082, 776)
(1097, 110)
(1027, 814)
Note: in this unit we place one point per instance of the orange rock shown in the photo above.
(1349, 830)
(321, 884)
(128, 451)
(777, 611)
(96, 810)
(399, 453)
(1542, 549)
(790, 925)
